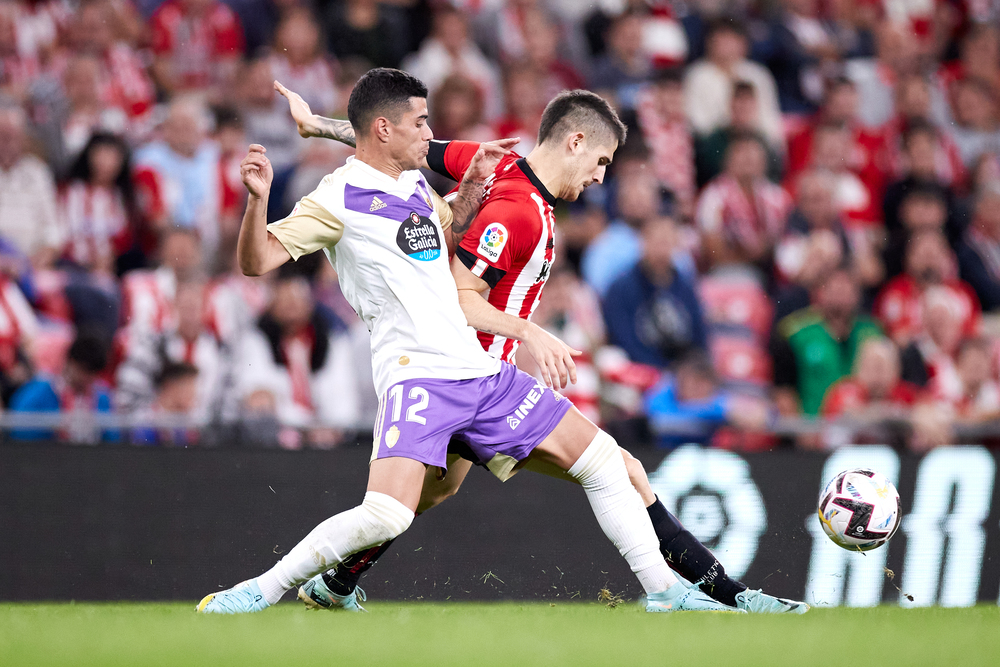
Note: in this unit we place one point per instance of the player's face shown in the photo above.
(411, 136)
(589, 165)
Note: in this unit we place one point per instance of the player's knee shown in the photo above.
(388, 518)
(636, 472)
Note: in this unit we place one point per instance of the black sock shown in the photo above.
(344, 578)
(691, 558)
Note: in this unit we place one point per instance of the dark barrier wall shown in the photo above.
(147, 524)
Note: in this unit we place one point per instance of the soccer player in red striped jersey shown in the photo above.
(500, 267)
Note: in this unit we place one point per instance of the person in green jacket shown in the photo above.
(814, 347)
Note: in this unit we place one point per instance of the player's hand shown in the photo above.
(554, 357)
(301, 113)
(256, 172)
(486, 159)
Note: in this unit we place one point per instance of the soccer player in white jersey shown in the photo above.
(505, 257)
(382, 227)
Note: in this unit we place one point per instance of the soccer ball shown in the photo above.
(859, 509)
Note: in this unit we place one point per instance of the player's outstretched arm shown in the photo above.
(258, 252)
(311, 125)
(554, 357)
(469, 197)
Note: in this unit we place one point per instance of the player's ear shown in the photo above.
(381, 129)
(577, 142)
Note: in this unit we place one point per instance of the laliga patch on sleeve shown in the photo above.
(492, 241)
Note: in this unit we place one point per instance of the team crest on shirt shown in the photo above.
(418, 238)
(492, 241)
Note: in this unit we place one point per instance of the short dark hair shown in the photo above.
(580, 110)
(725, 24)
(917, 127)
(382, 92)
(175, 370)
(668, 76)
(89, 351)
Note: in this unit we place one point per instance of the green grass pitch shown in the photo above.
(480, 635)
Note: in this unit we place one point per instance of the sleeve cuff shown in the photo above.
(435, 158)
(479, 268)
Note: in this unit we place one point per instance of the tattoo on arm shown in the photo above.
(338, 130)
(465, 206)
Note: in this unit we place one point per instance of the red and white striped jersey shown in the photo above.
(510, 244)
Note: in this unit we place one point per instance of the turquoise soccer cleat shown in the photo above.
(681, 598)
(758, 602)
(317, 595)
(243, 598)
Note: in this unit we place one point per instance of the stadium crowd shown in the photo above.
(804, 220)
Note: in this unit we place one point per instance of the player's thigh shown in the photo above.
(436, 489)
(399, 477)
(570, 438)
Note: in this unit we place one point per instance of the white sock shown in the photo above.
(619, 509)
(377, 519)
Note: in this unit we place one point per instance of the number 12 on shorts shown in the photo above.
(418, 394)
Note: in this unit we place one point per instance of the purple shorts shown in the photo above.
(502, 417)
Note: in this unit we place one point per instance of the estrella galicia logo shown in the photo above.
(418, 238)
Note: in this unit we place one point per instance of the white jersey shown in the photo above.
(385, 237)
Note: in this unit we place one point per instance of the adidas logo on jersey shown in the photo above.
(377, 204)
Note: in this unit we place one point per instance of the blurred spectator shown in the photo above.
(857, 201)
(814, 347)
(82, 112)
(189, 341)
(709, 85)
(525, 102)
(929, 262)
(97, 205)
(874, 395)
(18, 69)
(744, 115)
(690, 404)
(741, 215)
(653, 312)
(296, 368)
(299, 61)
(197, 45)
(148, 295)
(79, 392)
(541, 43)
(979, 58)
(367, 29)
(797, 48)
(177, 177)
(928, 162)
(979, 251)
(930, 357)
(860, 150)
(816, 243)
(457, 111)
(18, 332)
(176, 397)
(123, 82)
(667, 132)
(923, 207)
(618, 246)
(28, 215)
(266, 118)
(977, 130)
(914, 120)
(449, 52)
(973, 394)
(880, 80)
(619, 73)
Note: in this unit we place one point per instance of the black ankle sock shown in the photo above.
(692, 559)
(344, 578)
